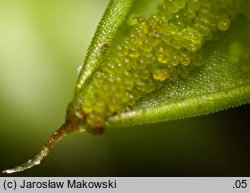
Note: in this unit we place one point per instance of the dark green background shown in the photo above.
(42, 43)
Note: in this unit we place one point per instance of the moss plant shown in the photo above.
(177, 59)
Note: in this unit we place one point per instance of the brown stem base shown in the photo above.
(67, 128)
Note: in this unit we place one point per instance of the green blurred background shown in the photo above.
(42, 43)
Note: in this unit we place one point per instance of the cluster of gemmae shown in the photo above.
(156, 49)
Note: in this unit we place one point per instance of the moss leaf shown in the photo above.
(221, 82)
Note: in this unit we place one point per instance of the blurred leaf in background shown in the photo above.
(41, 45)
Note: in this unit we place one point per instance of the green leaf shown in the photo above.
(221, 82)
(217, 79)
